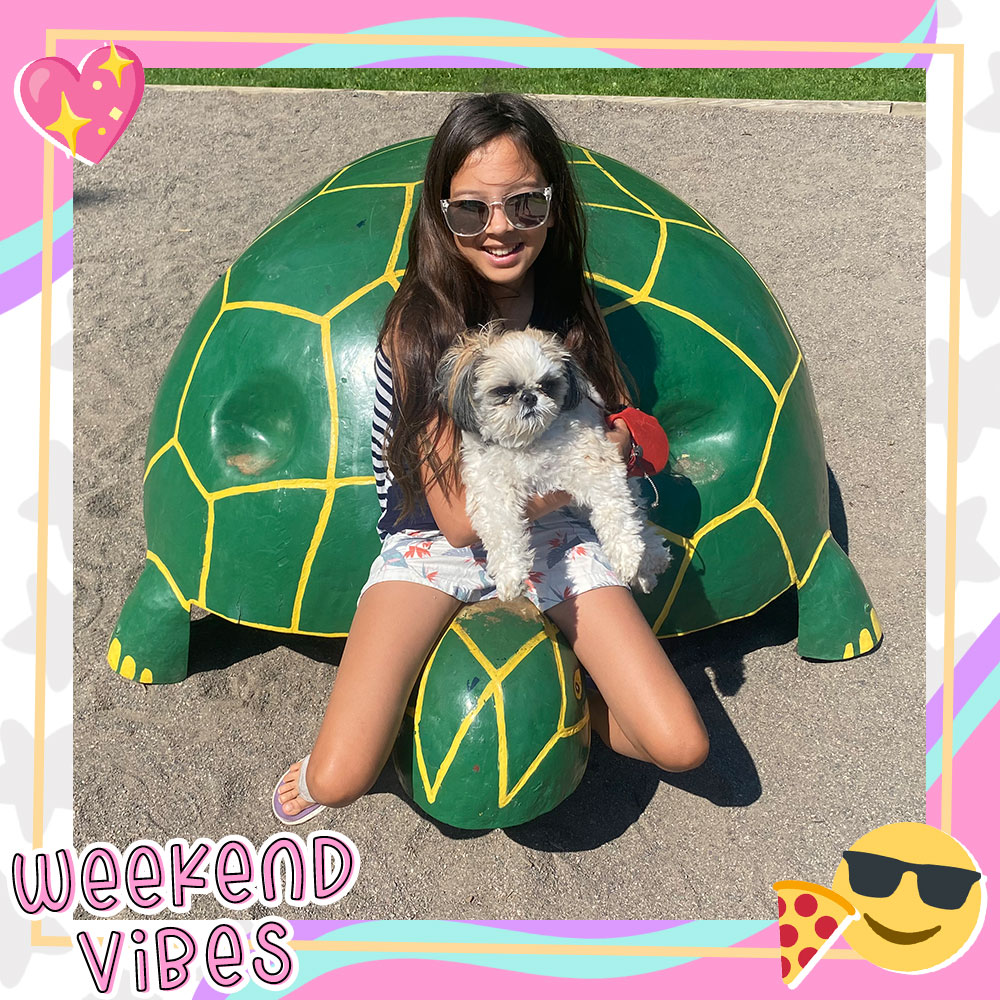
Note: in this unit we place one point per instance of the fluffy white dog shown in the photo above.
(532, 423)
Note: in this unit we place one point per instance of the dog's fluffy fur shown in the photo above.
(532, 423)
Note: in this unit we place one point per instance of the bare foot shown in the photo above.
(288, 792)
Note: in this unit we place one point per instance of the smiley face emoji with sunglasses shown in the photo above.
(921, 897)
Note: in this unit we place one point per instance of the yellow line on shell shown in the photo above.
(418, 710)
(331, 467)
(161, 566)
(561, 734)
(492, 689)
(661, 240)
(360, 187)
(277, 307)
(431, 789)
(769, 517)
(618, 184)
(285, 629)
(329, 190)
(201, 347)
(735, 618)
(815, 558)
(354, 296)
(371, 156)
(675, 588)
(158, 456)
(690, 317)
(397, 243)
(503, 756)
(690, 548)
(275, 484)
(779, 404)
(680, 540)
(307, 563)
(620, 208)
(291, 484)
(699, 322)
(352, 481)
(206, 562)
(285, 218)
(189, 468)
(550, 632)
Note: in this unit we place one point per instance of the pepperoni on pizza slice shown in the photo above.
(810, 918)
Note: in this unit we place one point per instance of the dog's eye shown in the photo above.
(504, 392)
(549, 385)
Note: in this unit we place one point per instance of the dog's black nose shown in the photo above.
(529, 398)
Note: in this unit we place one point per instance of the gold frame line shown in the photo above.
(53, 35)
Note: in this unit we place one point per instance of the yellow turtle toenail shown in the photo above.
(876, 626)
(849, 651)
(128, 668)
(146, 677)
(114, 652)
(865, 641)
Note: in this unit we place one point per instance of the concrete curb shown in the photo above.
(912, 109)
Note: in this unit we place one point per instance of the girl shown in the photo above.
(498, 236)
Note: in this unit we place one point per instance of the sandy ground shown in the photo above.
(828, 204)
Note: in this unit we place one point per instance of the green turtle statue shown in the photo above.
(259, 499)
(497, 729)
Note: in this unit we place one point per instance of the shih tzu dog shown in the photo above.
(532, 423)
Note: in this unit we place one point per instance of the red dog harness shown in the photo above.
(650, 448)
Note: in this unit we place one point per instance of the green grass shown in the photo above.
(774, 84)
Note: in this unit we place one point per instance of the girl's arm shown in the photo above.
(448, 507)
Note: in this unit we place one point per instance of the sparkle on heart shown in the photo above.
(83, 111)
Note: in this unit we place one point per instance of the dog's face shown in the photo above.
(508, 387)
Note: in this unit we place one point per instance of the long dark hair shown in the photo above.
(441, 294)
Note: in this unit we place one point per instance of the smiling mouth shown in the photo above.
(501, 252)
(900, 937)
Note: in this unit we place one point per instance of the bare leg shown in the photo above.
(394, 629)
(643, 709)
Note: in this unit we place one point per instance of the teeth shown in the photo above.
(502, 253)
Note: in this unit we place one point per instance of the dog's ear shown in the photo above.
(577, 384)
(455, 383)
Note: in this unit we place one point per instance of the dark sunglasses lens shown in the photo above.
(467, 218)
(871, 874)
(528, 210)
(945, 888)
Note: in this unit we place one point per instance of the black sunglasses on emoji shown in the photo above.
(940, 886)
(470, 216)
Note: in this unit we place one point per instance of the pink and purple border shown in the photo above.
(977, 676)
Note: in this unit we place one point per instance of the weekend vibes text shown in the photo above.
(150, 879)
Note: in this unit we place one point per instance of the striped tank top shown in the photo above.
(390, 495)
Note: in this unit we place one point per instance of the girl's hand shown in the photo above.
(620, 435)
(539, 506)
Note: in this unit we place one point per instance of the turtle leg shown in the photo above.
(150, 641)
(836, 617)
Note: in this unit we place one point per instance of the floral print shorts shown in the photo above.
(568, 561)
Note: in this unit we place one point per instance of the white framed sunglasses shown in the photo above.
(470, 216)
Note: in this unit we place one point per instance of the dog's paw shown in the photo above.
(655, 560)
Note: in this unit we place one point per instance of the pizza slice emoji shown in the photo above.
(810, 918)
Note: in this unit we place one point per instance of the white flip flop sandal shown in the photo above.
(307, 813)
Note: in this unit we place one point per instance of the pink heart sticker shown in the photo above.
(82, 111)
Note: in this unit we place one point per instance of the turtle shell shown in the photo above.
(260, 503)
(497, 730)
